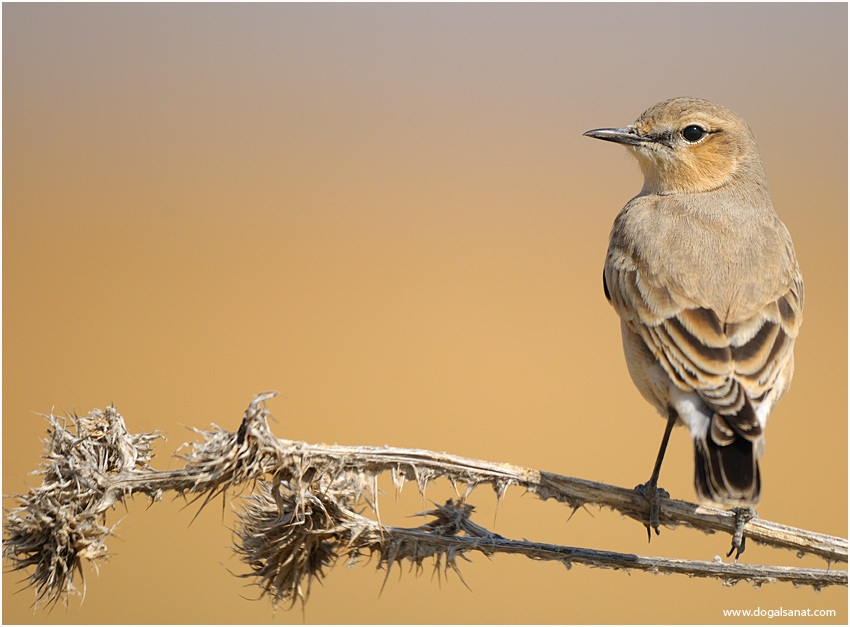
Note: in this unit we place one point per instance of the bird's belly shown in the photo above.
(655, 385)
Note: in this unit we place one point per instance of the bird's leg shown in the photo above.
(650, 490)
(743, 515)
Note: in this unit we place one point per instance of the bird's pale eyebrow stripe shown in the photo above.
(667, 136)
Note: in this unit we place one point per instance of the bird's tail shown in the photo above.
(726, 464)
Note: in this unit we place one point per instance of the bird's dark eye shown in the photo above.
(693, 133)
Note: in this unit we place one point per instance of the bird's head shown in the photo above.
(688, 145)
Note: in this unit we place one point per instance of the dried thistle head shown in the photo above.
(288, 537)
(61, 523)
(292, 530)
(224, 459)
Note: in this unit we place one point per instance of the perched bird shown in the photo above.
(703, 275)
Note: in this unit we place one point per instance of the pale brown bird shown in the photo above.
(703, 275)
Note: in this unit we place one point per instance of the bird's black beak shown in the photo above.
(626, 135)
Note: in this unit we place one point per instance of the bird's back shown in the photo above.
(705, 250)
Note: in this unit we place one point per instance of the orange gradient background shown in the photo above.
(389, 214)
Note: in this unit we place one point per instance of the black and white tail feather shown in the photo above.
(726, 460)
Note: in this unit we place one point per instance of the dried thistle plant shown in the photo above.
(290, 536)
(306, 504)
(62, 522)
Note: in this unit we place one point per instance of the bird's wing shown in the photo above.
(726, 364)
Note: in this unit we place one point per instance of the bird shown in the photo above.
(705, 280)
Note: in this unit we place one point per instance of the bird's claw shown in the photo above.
(743, 515)
(653, 494)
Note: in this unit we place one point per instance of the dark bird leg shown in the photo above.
(743, 515)
(650, 490)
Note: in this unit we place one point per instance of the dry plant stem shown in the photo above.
(735, 573)
(302, 514)
(729, 573)
(422, 466)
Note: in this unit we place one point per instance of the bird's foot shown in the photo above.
(653, 494)
(743, 515)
